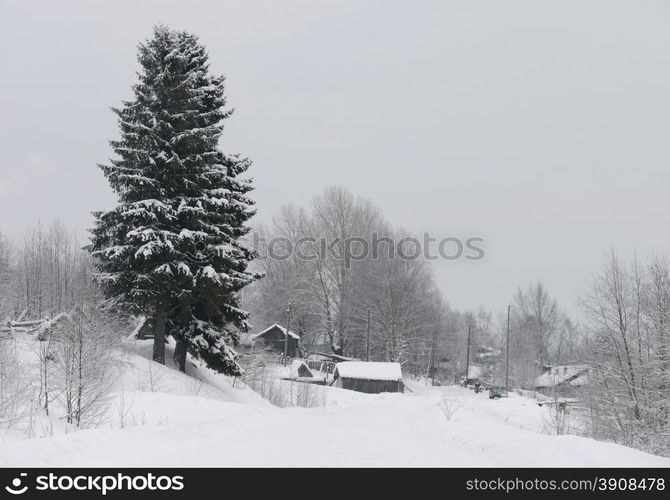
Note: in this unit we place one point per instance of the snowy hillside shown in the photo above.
(222, 425)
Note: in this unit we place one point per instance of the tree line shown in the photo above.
(385, 305)
(335, 300)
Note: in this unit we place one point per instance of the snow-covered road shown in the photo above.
(364, 430)
(160, 417)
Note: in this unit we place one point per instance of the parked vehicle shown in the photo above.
(497, 391)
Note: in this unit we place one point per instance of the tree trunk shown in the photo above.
(179, 356)
(159, 336)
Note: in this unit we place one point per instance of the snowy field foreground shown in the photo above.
(159, 417)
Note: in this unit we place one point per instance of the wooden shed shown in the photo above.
(299, 371)
(274, 338)
(370, 377)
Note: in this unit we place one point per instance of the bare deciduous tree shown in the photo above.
(85, 363)
(628, 308)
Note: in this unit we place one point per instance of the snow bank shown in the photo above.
(377, 430)
(159, 417)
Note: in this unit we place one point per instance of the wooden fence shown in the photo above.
(281, 360)
(321, 366)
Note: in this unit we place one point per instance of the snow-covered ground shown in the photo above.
(160, 417)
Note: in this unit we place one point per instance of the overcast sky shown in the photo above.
(541, 126)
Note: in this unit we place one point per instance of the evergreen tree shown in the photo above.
(170, 248)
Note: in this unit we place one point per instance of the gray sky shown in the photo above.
(541, 126)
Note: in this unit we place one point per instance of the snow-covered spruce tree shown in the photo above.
(170, 248)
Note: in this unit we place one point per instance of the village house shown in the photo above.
(369, 377)
(482, 369)
(273, 338)
(325, 362)
(487, 356)
(562, 381)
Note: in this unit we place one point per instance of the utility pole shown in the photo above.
(467, 361)
(432, 356)
(288, 330)
(507, 354)
(367, 339)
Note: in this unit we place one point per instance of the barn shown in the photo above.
(370, 377)
(274, 338)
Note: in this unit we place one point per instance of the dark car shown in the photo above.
(497, 391)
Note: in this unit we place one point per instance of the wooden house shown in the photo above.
(274, 339)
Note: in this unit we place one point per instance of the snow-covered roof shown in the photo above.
(581, 380)
(337, 357)
(293, 370)
(369, 370)
(296, 364)
(281, 328)
(557, 375)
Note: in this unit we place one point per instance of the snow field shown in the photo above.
(159, 417)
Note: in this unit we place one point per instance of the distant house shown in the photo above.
(369, 377)
(476, 374)
(321, 363)
(443, 371)
(337, 358)
(144, 329)
(563, 380)
(484, 364)
(299, 371)
(487, 356)
(326, 362)
(274, 338)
